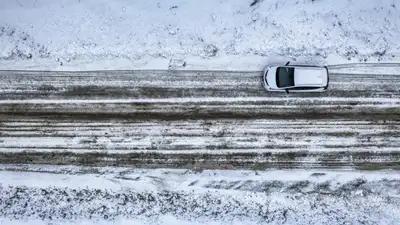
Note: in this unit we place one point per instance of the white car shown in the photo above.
(296, 78)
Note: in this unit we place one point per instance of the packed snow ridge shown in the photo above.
(182, 34)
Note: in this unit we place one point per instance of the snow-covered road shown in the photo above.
(197, 94)
(200, 119)
(215, 143)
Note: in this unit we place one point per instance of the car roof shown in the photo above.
(285, 77)
(309, 76)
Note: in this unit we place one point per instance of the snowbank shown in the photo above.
(182, 34)
(89, 195)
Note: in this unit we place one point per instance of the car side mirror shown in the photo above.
(287, 64)
(287, 91)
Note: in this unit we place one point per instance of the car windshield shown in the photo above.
(285, 77)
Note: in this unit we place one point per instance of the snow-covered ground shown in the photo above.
(207, 34)
(68, 195)
(202, 35)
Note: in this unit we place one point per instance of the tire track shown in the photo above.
(24, 85)
(197, 119)
(220, 143)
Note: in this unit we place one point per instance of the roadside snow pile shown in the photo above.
(19, 45)
(182, 34)
(62, 195)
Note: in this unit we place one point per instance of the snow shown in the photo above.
(366, 68)
(162, 220)
(373, 101)
(240, 35)
(182, 34)
(114, 195)
(115, 178)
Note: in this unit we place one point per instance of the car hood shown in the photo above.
(271, 77)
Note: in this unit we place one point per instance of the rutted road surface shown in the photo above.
(197, 119)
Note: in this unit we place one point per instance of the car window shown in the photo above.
(304, 88)
(285, 77)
